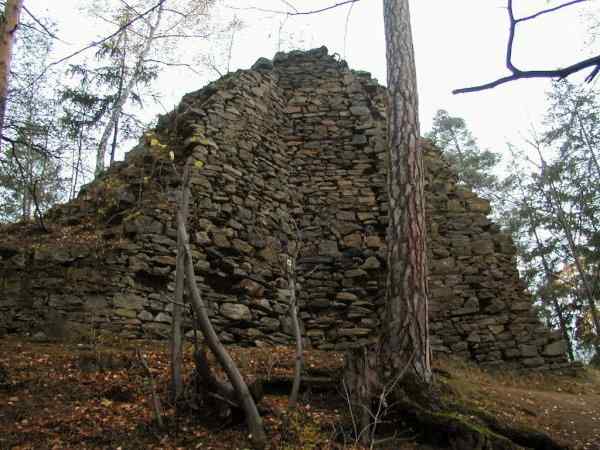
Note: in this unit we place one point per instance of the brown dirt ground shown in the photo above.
(565, 407)
(57, 401)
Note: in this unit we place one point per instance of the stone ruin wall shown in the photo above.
(301, 136)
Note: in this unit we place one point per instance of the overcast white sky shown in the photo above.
(457, 43)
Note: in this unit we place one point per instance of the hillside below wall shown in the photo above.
(301, 137)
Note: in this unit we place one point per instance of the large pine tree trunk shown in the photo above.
(12, 13)
(406, 330)
(402, 355)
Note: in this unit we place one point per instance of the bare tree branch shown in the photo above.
(210, 62)
(558, 73)
(101, 41)
(174, 11)
(135, 11)
(289, 5)
(346, 25)
(31, 185)
(517, 74)
(185, 36)
(164, 63)
(550, 10)
(44, 27)
(295, 12)
(327, 8)
(39, 149)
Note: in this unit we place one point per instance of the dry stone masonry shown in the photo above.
(297, 139)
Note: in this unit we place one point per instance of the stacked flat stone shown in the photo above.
(298, 137)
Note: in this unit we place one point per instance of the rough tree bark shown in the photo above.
(8, 27)
(402, 354)
(406, 330)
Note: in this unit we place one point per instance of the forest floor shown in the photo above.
(66, 396)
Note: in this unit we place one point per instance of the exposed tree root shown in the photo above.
(4, 378)
(447, 429)
(520, 435)
(436, 422)
(208, 394)
(379, 404)
(459, 428)
(283, 385)
(440, 423)
(3, 375)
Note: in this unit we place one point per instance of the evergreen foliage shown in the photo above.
(473, 165)
(554, 201)
(31, 168)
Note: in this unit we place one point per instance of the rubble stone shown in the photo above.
(298, 137)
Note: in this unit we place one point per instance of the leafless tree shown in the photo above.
(289, 262)
(517, 74)
(176, 333)
(240, 388)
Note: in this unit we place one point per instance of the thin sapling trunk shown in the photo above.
(254, 421)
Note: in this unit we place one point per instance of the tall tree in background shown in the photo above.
(30, 168)
(8, 27)
(566, 220)
(539, 252)
(473, 165)
(149, 32)
(572, 181)
(127, 83)
(82, 111)
(97, 102)
(553, 218)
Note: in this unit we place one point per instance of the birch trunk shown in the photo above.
(12, 14)
(118, 107)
